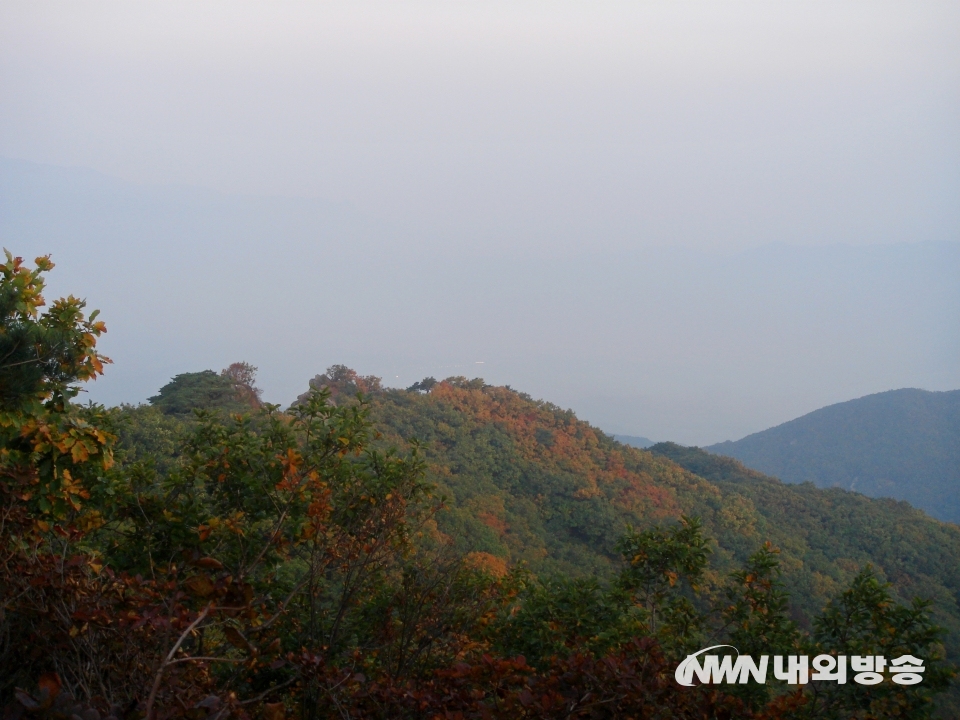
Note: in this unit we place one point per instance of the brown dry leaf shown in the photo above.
(199, 585)
(210, 563)
(274, 711)
(236, 639)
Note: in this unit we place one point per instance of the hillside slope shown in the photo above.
(823, 531)
(528, 481)
(903, 444)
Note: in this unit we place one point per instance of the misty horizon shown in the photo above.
(692, 345)
(684, 221)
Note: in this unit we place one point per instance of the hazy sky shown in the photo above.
(549, 155)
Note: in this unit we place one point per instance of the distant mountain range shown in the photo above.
(903, 444)
(634, 440)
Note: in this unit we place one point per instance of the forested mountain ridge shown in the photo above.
(529, 481)
(524, 481)
(903, 444)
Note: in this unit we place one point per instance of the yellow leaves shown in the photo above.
(292, 479)
(71, 486)
(291, 461)
(79, 452)
(487, 562)
(91, 520)
(70, 491)
(74, 438)
(58, 438)
(585, 493)
(233, 523)
(27, 284)
(672, 578)
(212, 524)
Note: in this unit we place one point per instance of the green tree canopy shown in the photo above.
(42, 355)
(204, 390)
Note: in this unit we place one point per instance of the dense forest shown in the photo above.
(452, 550)
(903, 444)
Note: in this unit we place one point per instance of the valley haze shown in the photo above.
(692, 345)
